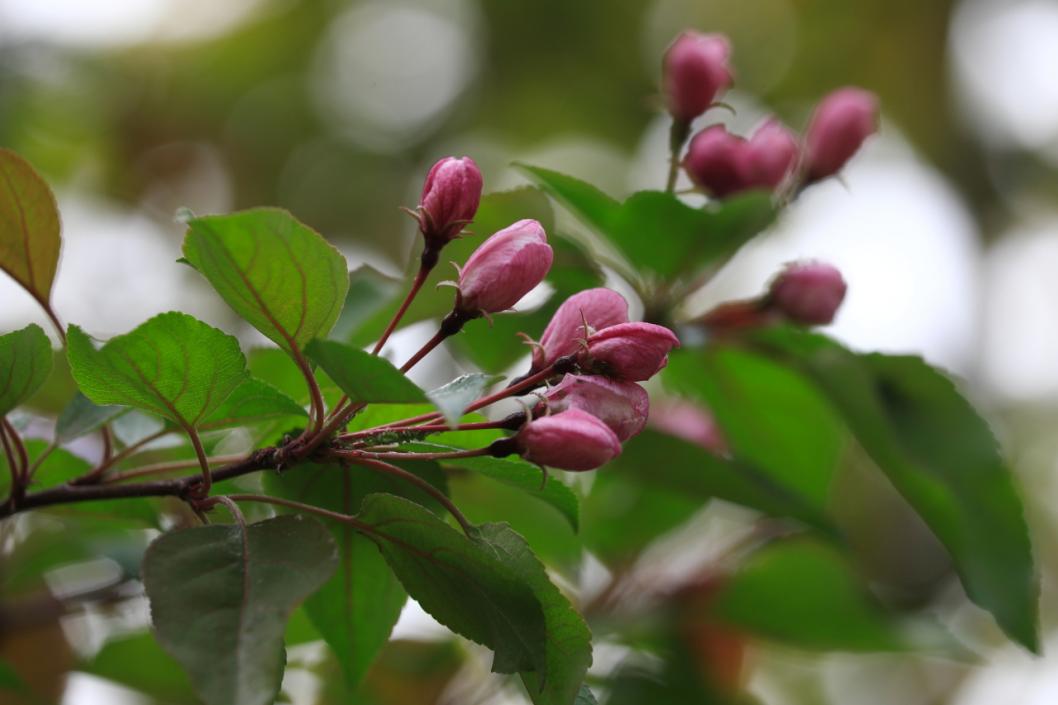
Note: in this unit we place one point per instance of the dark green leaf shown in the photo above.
(25, 361)
(460, 582)
(452, 399)
(251, 402)
(805, 594)
(277, 273)
(29, 226)
(370, 293)
(940, 454)
(568, 647)
(692, 237)
(81, 416)
(221, 595)
(770, 415)
(363, 376)
(585, 697)
(173, 365)
(356, 609)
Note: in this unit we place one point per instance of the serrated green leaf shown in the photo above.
(81, 417)
(277, 273)
(356, 609)
(363, 376)
(25, 361)
(172, 365)
(253, 401)
(805, 594)
(221, 595)
(568, 647)
(29, 227)
(460, 583)
(452, 399)
(692, 238)
(941, 455)
(515, 473)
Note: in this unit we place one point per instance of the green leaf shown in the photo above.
(277, 273)
(940, 454)
(81, 416)
(770, 415)
(29, 227)
(452, 399)
(585, 697)
(515, 473)
(25, 361)
(692, 237)
(356, 609)
(568, 646)
(804, 593)
(370, 293)
(460, 582)
(221, 595)
(363, 376)
(254, 401)
(173, 365)
(138, 662)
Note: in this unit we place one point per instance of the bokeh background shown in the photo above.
(946, 226)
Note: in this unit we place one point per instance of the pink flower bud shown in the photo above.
(691, 423)
(600, 307)
(808, 293)
(841, 123)
(717, 161)
(622, 406)
(449, 199)
(771, 154)
(629, 351)
(571, 440)
(694, 71)
(504, 268)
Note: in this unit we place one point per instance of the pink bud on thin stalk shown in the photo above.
(717, 161)
(622, 406)
(504, 269)
(629, 351)
(694, 71)
(450, 198)
(808, 293)
(771, 154)
(570, 440)
(599, 308)
(839, 126)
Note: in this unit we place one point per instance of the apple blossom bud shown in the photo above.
(717, 161)
(808, 293)
(623, 406)
(689, 422)
(771, 153)
(629, 351)
(599, 307)
(450, 198)
(504, 268)
(694, 71)
(840, 124)
(570, 440)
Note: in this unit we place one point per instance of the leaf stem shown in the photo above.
(375, 463)
(162, 468)
(20, 452)
(302, 507)
(232, 507)
(39, 460)
(97, 472)
(316, 396)
(12, 464)
(203, 461)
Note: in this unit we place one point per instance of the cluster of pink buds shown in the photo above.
(696, 70)
(583, 419)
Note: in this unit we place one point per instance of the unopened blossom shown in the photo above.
(504, 269)
(808, 293)
(623, 406)
(570, 440)
(597, 308)
(629, 351)
(839, 126)
(694, 71)
(718, 162)
(690, 422)
(450, 198)
(771, 154)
